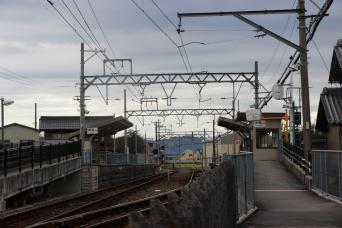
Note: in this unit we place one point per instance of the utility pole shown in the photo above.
(301, 48)
(136, 140)
(35, 115)
(145, 148)
(204, 150)
(304, 80)
(256, 87)
(2, 121)
(158, 141)
(214, 146)
(125, 137)
(192, 147)
(82, 105)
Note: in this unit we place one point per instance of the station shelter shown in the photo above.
(262, 137)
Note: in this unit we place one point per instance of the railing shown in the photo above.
(244, 172)
(296, 155)
(327, 172)
(29, 157)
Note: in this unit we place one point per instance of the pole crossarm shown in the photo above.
(164, 78)
(179, 112)
(231, 13)
(268, 32)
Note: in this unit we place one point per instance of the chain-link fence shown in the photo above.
(244, 172)
(327, 171)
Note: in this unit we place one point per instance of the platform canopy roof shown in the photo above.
(107, 127)
(71, 123)
(241, 128)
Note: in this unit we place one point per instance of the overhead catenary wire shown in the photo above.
(321, 56)
(278, 43)
(187, 66)
(65, 20)
(102, 31)
(86, 23)
(97, 42)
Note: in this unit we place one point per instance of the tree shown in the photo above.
(120, 142)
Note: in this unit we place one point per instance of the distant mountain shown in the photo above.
(177, 145)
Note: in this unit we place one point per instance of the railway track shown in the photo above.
(113, 216)
(75, 205)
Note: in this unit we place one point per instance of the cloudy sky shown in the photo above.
(40, 54)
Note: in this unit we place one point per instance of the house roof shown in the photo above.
(335, 75)
(70, 122)
(20, 125)
(329, 109)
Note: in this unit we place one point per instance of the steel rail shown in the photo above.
(105, 216)
(77, 199)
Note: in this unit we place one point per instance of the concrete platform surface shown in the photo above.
(284, 202)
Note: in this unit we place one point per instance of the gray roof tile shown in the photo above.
(330, 108)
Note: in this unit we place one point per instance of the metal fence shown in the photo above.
(24, 157)
(244, 172)
(296, 155)
(327, 171)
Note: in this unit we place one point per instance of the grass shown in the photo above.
(183, 165)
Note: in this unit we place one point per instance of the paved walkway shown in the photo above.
(283, 201)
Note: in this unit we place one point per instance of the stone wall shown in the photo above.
(209, 201)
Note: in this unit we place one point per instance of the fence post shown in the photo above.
(66, 151)
(40, 156)
(5, 162)
(72, 147)
(59, 152)
(50, 154)
(32, 158)
(79, 149)
(19, 159)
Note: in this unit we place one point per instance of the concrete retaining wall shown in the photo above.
(209, 201)
(297, 171)
(95, 177)
(27, 179)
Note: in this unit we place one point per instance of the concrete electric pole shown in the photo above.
(304, 80)
(82, 105)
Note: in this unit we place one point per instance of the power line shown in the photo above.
(155, 23)
(80, 36)
(320, 54)
(99, 24)
(79, 23)
(187, 67)
(86, 23)
(285, 50)
(230, 40)
(278, 44)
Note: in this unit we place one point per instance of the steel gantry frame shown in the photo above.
(179, 112)
(305, 35)
(143, 80)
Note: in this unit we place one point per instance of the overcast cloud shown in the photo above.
(43, 55)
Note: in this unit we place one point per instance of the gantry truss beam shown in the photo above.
(165, 78)
(179, 112)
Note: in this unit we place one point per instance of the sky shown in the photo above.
(40, 55)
